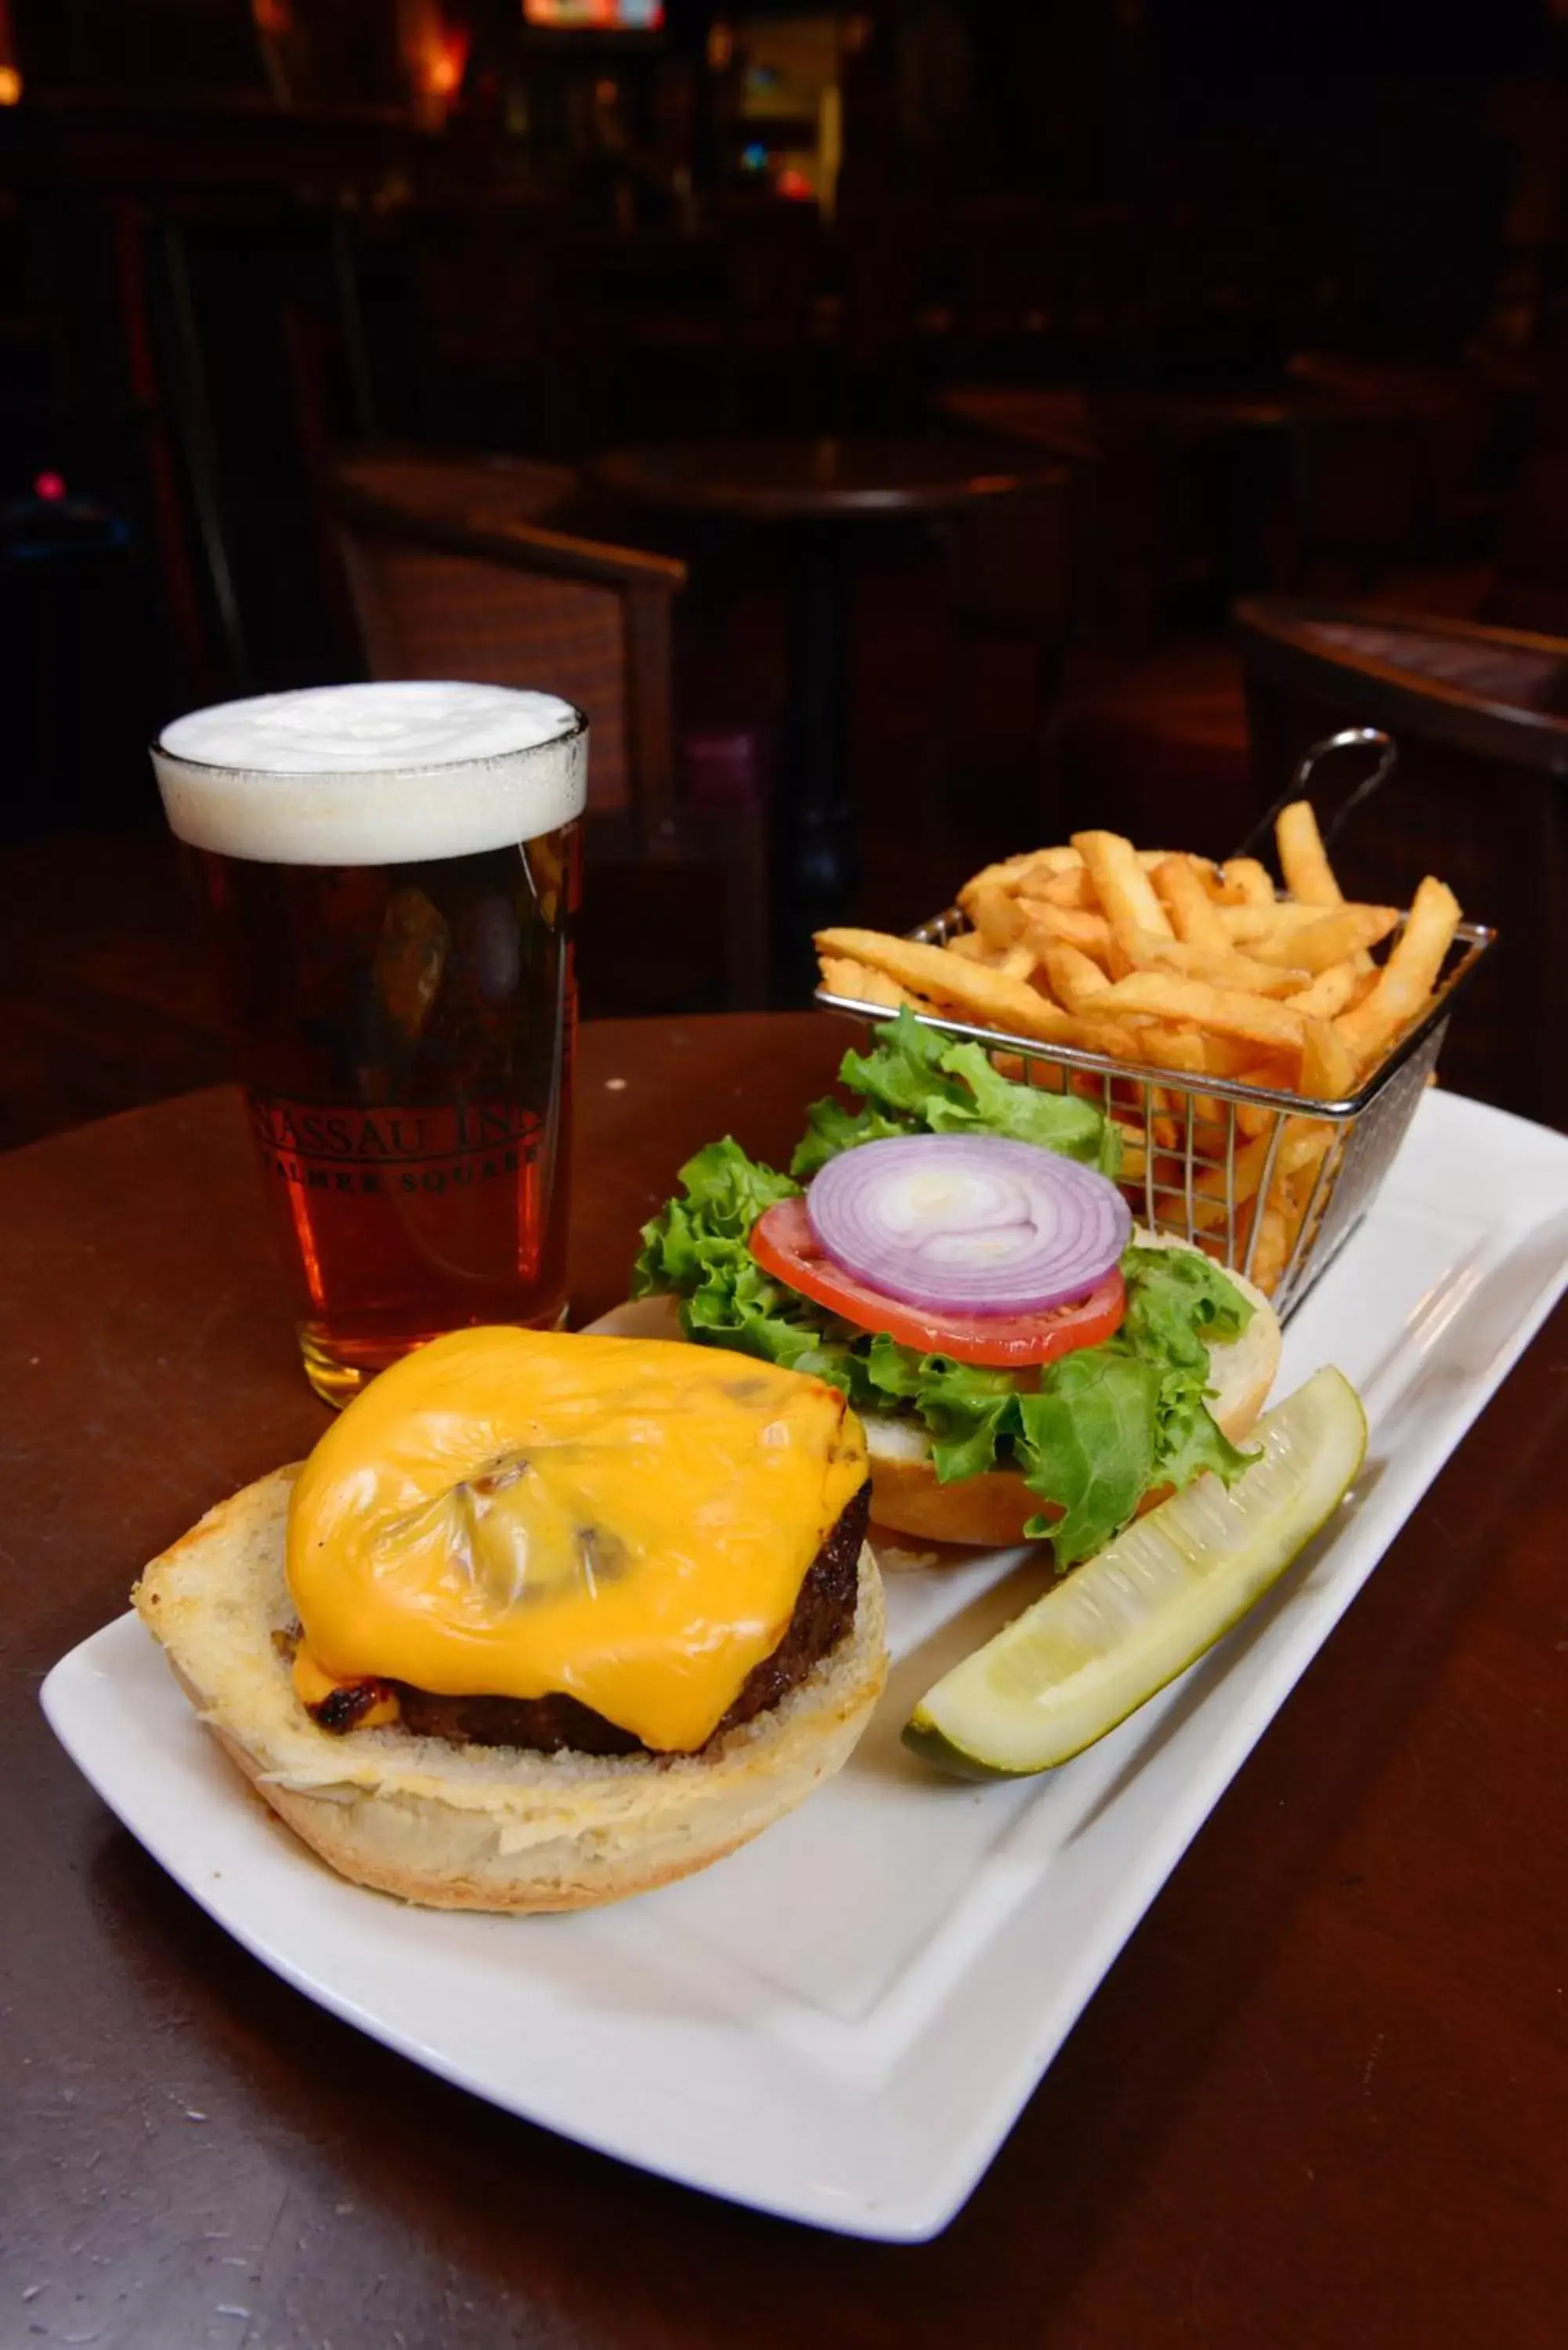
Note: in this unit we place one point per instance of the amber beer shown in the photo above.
(392, 873)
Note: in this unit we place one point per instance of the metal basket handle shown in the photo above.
(1349, 738)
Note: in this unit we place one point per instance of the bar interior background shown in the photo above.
(1274, 297)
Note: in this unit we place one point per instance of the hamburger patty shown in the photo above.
(824, 1613)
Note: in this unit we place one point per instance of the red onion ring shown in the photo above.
(975, 1223)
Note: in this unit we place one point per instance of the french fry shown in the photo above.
(1179, 886)
(1245, 882)
(842, 976)
(1304, 1144)
(1306, 1139)
(1334, 938)
(1012, 872)
(1243, 923)
(1300, 1175)
(1125, 890)
(1062, 925)
(1313, 1187)
(1245, 1172)
(1162, 1123)
(1298, 1183)
(1328, 1065)
(994, 912)
(1053, 1078)
(1075, 978)
(1331, 991)
(1251, 1118)
(1135, 1152)
(1070, 887)
(1230, 1011)
(1119, 1040)
(1228, 968)
(1118, 961)
(989, 998)
(1269, 1250)
(1169, 1046)
(1303, 860)
(1300, 1145)
(1159, 961)
(1232, 1056)
(1210, 1139)
(1291, 1198)
(1405, 983)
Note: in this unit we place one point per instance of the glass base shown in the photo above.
(338, 1369)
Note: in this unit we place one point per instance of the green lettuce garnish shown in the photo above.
(916, 1082)
(1094, 1431)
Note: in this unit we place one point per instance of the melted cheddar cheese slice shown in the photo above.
(517, 1513)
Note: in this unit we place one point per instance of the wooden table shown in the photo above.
(1073, 422)
(811, 491)
(1323, 2096)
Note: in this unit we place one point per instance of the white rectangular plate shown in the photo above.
(888, 1973)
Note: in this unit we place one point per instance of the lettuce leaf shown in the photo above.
(1180, 1304)
(1090, 1442)
(967, 1406)
(1062, 1122)
(1094, 1431)
(696, 1248)
(917, 1081)
(831, 1128)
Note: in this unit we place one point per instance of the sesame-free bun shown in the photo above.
(471, 1828)
(989, 1512)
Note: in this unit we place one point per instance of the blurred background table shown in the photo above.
(816, 492)
(1208, 491)
(1320, 2097)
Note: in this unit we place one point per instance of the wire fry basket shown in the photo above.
(1270, 1184)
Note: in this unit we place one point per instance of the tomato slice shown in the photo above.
(784, 1245)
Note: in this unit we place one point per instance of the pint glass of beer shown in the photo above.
(392, 873)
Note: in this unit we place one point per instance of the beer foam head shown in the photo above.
(373, 775)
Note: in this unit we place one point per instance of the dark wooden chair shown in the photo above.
(439, 486)
(454, 571)
(1479, 795)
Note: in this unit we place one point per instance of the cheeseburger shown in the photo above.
(953, 1253)
(543, 1621)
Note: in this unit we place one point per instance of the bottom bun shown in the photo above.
(467, 1827)
(991, 1511)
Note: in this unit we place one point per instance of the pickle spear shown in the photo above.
(1119, 1627)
